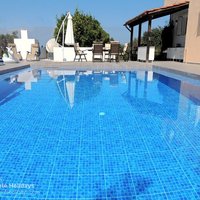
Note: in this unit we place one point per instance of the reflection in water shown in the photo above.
(150, 94)
(11, 86)
(142, 88)
(8, 90)
(77, 86)
(147, 92)
(66, 85)
(114, 78)
(28, 77)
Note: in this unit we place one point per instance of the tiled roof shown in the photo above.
(156, 13)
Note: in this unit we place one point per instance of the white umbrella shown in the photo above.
(69, 36)
(51, 44)
(70, 91)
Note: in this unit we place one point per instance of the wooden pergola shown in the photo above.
(149, 15)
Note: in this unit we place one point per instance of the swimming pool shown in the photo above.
(99, 135)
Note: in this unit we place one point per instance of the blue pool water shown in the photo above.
(99, 136)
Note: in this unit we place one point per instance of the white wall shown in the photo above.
(192, 47)
(24, 45)
(66, 54)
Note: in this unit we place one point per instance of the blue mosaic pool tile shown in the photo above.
(107, 135)
(140, 162)
(121, 198)
(70, 133)
(68, 147)
(161, 196)
(116, 147)
(23, 145)
(38, 186)
(91, 165)
(91, 148)
(129, 118)
(173, 180)
(194, 139)
(3, 156)
(65, 184)
(147, 183)
(134, 145)
(108, 127)
(8, 183)
(44, 147)
(55, 125)
(197, 190)
(114, 164)
(188, 157)
(193, 175)
(87, 120)
(91, 186)
(164, 160)
(155, 144)
(91, 132)
(41, 164)
(52, 132)
(66, 165)
(6, 144)
(183, 194)
(120, 186)
(131, 131)
(14, 163)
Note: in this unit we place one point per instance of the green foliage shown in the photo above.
(155, 37)
(86, 29)
(160, 37)
(5, 39)
(155, 40)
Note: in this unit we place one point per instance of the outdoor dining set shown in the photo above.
(108, 52)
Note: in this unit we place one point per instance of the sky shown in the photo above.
(39, 16)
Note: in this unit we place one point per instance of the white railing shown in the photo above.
(142, 53)
(175, 53)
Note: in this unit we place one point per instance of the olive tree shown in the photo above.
(86, 29)
(5, 39)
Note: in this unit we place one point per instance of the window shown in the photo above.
(179, 25)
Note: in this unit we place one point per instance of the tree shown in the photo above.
(155, 37)
(86, 29)
(5, 39)
(155, 40)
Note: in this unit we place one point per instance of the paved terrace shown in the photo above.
(193, 69)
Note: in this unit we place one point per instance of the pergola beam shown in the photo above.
(131, 44)
(156, 13)
(149, 15)
(139, 34)
(149, 39)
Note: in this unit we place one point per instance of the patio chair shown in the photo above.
(113, 54)
(79, 53)
(97, 52)
(106, 49)
(114, 79)
(17, 54)
(34, 54)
